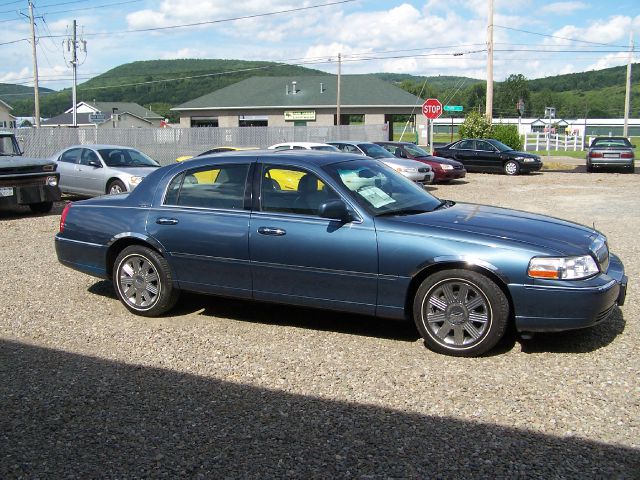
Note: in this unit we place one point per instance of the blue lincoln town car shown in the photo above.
(342, 232)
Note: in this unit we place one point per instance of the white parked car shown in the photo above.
(304, 146)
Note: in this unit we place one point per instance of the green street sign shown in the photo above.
(453, 108)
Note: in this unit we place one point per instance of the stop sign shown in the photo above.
(432, 108)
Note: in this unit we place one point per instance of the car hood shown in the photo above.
(136, 171)
(516, 153)
(445, 161)
(401, 162)
(19, 161)
(548, 233)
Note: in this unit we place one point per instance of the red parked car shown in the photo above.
(445, 169)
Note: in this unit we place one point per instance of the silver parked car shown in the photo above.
(99, 169)
(611, 152)
(412, 169)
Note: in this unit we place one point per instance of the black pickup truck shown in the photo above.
(26, 181)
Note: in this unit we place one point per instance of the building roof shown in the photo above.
(311, 92)
(123, 107)
(9, 107)
(82, 119)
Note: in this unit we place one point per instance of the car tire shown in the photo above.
(115, 187)
(41, 207)
(631, 168)
(143, 282)
(589, 167)
(511, 168)
(460, 313)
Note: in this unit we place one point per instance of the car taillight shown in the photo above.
(596, 155)
(63, 217)
(626, 155)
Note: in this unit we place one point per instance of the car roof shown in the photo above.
(98, 146)
(351, 142)
(300, 144)
(312, 157)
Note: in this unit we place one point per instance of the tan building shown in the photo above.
(300, 101)
(6, 119)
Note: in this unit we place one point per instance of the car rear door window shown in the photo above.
(217, 187)
(464, 145)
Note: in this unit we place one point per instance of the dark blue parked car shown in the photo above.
(353, 235)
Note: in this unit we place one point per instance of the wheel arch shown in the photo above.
(120, 242)
(486, 269)
(112, 179)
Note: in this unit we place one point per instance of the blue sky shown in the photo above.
(434, 37)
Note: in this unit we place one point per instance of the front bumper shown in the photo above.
(446, 175)
(527, 167)
(29, 194)
(567, 305)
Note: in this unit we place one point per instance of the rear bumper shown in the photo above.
(581, 304)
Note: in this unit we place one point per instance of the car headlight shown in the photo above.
(52, 181)
(529, 160)
(406, 170)
(563, 268)
(135, 180)
(444, 166)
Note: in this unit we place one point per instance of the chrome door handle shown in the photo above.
(166, 221)
(278, 232)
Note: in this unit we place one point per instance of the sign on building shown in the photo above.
(299, 115)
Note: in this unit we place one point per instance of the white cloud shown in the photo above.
(186, 53)
(19, 76)
(563, 8)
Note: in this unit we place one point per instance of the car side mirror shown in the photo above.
(633, 146)
(94, 163)
(335, 210)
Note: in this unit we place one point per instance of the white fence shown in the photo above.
(166, 144)
(544, 141)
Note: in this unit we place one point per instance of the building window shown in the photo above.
(253, 120)
(204, 121)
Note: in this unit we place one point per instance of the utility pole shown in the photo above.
(36, 89)
(489, 105)
(627, 96)
(338, 89)
(74, 65)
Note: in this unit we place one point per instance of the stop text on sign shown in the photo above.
(432, 108)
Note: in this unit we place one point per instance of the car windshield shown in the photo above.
(325, 148)
(380, 189)
(375, 151)
(126, 157)
(611, 143)
(7, 146)
(500, 146)
(416, 151)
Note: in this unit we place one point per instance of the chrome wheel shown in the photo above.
(456, 313)
(511, 168)
(116, 187)
(138, 282)
(460, 312)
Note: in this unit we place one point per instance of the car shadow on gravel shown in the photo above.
(577, 341)
(23, 211)
(65, 415)
(285, 315)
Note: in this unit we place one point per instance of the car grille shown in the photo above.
(423, 170)
(458, 167)
(21, 182)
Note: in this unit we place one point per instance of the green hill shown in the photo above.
(162, 84)
(10, 93)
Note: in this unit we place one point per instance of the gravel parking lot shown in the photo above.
(229, 389)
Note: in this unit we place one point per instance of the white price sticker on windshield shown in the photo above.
(6, 191)
(375, 196)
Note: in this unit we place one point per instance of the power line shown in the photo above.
(212, 22)
(556, 36)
